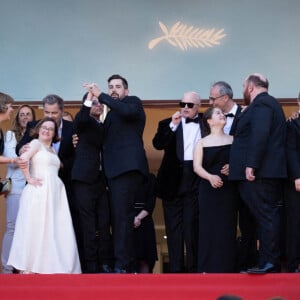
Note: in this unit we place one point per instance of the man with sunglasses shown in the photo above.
(177, 182)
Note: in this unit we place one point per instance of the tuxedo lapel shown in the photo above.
(235, 120)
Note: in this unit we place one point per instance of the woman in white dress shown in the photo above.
(44, 240)
(24, 114)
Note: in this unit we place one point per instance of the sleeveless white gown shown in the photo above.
(44, 240)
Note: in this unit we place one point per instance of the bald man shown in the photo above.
(177, 182)
(258, 163)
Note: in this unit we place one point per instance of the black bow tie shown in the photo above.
(189, 120)
(230, 115)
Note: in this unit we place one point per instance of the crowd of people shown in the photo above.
(82, 195)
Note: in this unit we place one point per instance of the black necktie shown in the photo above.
(189, 120)
(230, 115)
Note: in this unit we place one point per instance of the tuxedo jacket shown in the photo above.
(293, 148)
(88, 149)
(259, 140)
(170, 171)
(123, 147)
(65, 153)
(235, 120)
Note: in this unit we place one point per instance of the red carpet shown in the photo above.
(152, 286)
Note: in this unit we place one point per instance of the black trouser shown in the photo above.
(123, 191)
(263, 197)
(181, 221)
(292, 205)
(92, 224)
(247, 244)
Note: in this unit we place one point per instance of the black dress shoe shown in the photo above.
(267, 268)
(297, 270)
(106, 269)
(119, 271)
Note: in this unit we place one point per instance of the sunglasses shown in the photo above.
(189, 104)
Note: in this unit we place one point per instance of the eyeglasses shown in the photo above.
(215, 98)
(189, 104)
(47, 128)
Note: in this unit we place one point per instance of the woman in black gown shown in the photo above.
(144, 233)
(217, 198)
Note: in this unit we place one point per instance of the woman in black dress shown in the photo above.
(144, 233)
(217, 198)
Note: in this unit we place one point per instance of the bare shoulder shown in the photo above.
(206, 141)
(230, 139)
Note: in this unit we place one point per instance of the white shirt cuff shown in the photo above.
(88, 103)
(173, 126)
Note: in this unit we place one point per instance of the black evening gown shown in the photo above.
(144, 235)
(217, 216)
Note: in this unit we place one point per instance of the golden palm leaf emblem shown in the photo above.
(184, 36)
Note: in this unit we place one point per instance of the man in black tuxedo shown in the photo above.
(258, 163)
(89, 187)
(292, 195)
(177, 182)
(125, 163)
(53, 106)
(221, 96)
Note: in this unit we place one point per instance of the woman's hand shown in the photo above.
(34, 181)
(297, 184)
(137, 222)
(215, 181)
(22, 163)
(225, 170)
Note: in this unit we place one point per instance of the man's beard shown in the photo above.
(247, 98)
(115, 96)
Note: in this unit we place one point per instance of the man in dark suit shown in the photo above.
(89, 187)
(53, 106)
(125, 163)
(177, 182)
(221, 96)
(292, 195)
(258, 163)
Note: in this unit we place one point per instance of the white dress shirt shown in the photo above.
(191, 135)
(229, 120)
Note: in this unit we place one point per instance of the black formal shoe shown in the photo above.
(297, 270)
(119, 271)
(106, 269)
(267, 268)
